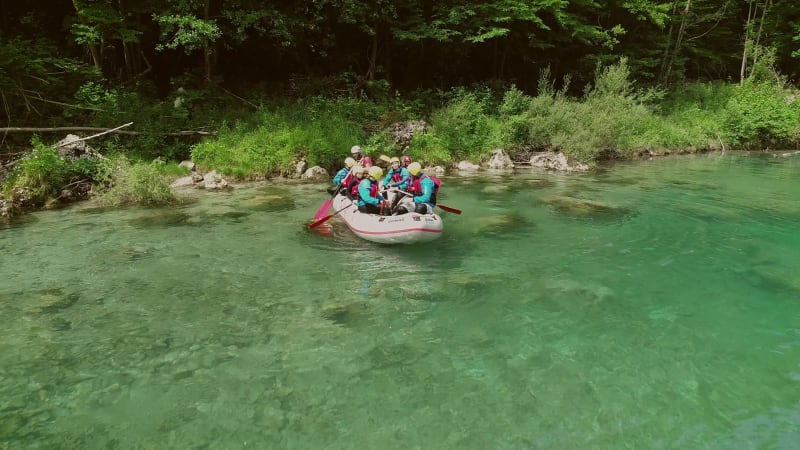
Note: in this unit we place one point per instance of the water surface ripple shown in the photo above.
(649, 305)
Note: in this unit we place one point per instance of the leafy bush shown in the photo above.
(321, 131)
(759, 114)
(135, 183)
(41, 173)
(428, 149)
(463, 128)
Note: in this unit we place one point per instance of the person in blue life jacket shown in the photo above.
(352, 181)
(369, 200)
(342, 174)
(424, 190)
(397, 177)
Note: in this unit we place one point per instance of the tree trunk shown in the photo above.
(207, 65)
(678, 39)
(760, 29)
(96, 58)
(373, 57)
(747, 27)
(665, 60)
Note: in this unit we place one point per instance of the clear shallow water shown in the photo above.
(652, 305)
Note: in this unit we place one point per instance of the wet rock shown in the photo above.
(189, 165)
(7, 209)
(72, 148)
(496, 189)
(403, 132)
(51, 301)
(500, 224)
(316, 173)
(467, 166)
(269, 202)
(213, 181)
(162, 219)
(300, 168)
(581, 206)
(183, 182)
(499, 160)
(556, 161)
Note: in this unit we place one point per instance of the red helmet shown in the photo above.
(366, 161)
(406, 160)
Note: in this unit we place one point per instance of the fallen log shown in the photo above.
(102, 130)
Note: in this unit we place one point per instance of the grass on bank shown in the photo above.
(614, 118)
(42, 175)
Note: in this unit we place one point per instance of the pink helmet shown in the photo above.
(406, 160)
(366, 161)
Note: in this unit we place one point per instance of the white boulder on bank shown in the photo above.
(556, 161)
(500, 160)
(467, 166)
(315, 173)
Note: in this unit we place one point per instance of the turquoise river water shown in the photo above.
(649, 305)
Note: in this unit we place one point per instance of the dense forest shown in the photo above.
(274, 80)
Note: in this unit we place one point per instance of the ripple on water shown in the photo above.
(268, 201)
(587, 209)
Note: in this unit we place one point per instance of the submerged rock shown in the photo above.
(578, 206)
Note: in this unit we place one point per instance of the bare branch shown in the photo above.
(96, 135)
(93, 129)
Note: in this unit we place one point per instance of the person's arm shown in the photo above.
(404, 180)
(427, 190)
(340, 176)
(387, 178)
(364, 189)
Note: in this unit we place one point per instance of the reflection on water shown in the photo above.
(650, 305)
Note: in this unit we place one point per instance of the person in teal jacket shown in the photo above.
(348, 164)
(423, 188)
(397, 176)
(369, 200)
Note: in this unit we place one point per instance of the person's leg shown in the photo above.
(370, 209)
(422, 208)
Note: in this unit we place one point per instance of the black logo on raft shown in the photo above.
(416, 218)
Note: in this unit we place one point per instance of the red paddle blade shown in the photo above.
(449, 209)
(319, 222)
(323, 209)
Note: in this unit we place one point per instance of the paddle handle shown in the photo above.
(446, 208)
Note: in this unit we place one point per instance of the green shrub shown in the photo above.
(135, 183)
(429, 149)
(464, 128)
(759, 114)
(41, 173)
(320, 130)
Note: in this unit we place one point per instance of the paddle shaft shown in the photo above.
(446, 208)
(323, 209)
(328, 217)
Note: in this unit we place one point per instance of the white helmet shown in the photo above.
(355, 149)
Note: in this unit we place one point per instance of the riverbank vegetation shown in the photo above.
(248, 88)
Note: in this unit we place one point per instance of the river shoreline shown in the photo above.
(15, 214)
